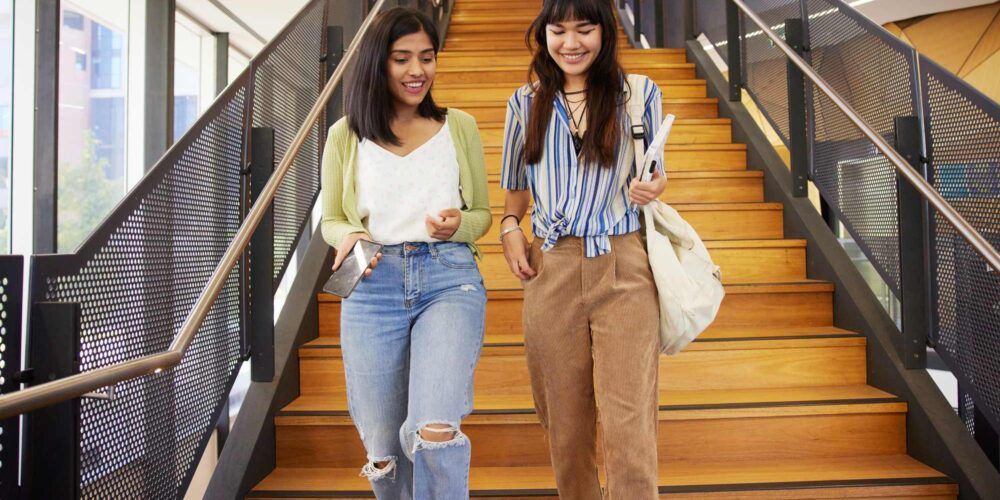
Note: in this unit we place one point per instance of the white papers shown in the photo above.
(657, 145)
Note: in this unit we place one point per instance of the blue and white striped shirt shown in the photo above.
(571, 198)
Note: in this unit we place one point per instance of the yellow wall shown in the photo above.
(966, 42)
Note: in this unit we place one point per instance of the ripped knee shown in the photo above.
(435, 436)
(379, 468)
(438, 433)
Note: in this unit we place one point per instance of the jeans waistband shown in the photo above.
(419, 248)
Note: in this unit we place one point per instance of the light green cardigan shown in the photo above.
(340, 202)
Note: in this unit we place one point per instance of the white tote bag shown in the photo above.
(688, 283)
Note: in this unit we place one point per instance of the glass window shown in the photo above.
(187, 78)
(93, 96)
(6, 88)
(237, 63)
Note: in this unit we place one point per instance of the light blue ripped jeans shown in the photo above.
(411, 337)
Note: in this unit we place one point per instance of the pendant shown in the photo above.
(577, 143)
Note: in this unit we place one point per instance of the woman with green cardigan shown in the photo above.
(403, 172)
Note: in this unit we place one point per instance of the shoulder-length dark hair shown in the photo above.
(605, 81)
(369, 104)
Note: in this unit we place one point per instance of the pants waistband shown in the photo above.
(419, 248)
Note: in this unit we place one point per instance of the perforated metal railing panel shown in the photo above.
(139, 274)
(287, 83)
(875, 73)
(962, 127)
(11, 280)
(765, 74)
(136, 285)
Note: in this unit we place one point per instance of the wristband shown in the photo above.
(518, 219)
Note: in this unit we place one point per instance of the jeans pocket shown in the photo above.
(459, 257)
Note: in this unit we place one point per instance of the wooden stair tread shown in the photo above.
(714, 332)
(522, 69)
(669, 147)
(678, 122)
(336, 404)
(496, 247)
(712, 207)
(708, 174)
(502, 53)
(889, 472)
(326, 349)
(798, 286)
(512, 86)
(735, 411)
(666, 100)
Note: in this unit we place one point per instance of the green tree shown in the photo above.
(85, 195)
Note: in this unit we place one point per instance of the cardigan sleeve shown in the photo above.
(476, 219)
(335, 225)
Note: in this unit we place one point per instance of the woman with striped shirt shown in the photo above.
(590, 306)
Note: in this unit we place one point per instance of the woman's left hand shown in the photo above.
(445, 224)
(642, 193)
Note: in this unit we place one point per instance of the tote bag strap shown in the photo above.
(638, 130)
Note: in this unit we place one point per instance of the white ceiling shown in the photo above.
(887, 11)
(250, 23)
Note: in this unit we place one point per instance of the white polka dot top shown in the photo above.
(396, 193)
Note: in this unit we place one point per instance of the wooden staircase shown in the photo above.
(771, 402)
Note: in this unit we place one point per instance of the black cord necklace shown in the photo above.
(577, 140)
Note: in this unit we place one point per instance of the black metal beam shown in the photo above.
(52, 441)
(797, 126)
(12, 299)
(262, 261)
(46, 141)
(334, 55)
(912, 251)
(158, 112)
(734, 52)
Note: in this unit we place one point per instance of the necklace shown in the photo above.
(575, 93)
(577, 140)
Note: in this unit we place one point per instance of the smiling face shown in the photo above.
(573, 45)
(411, 68)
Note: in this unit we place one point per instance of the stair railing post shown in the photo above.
(52, 434)
(262, 261)
(11, 375)
(734, 52)
(913, 254)
(334, 55)
(798, 141)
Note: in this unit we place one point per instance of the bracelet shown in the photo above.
(507, 231)
(518, 219)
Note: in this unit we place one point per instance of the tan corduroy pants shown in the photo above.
(590, 334)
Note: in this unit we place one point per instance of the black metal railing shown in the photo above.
(947, 131)
(11, 304)
(128, 289)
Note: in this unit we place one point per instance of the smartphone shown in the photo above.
(350, 272)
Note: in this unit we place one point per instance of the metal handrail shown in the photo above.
(969, 233)
(77, 385)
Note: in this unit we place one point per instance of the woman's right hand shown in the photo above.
(345, 248)
(515, 250)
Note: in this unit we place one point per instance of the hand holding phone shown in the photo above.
(353, 267)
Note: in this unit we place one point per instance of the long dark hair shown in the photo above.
(369, 104)
(605, 81)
